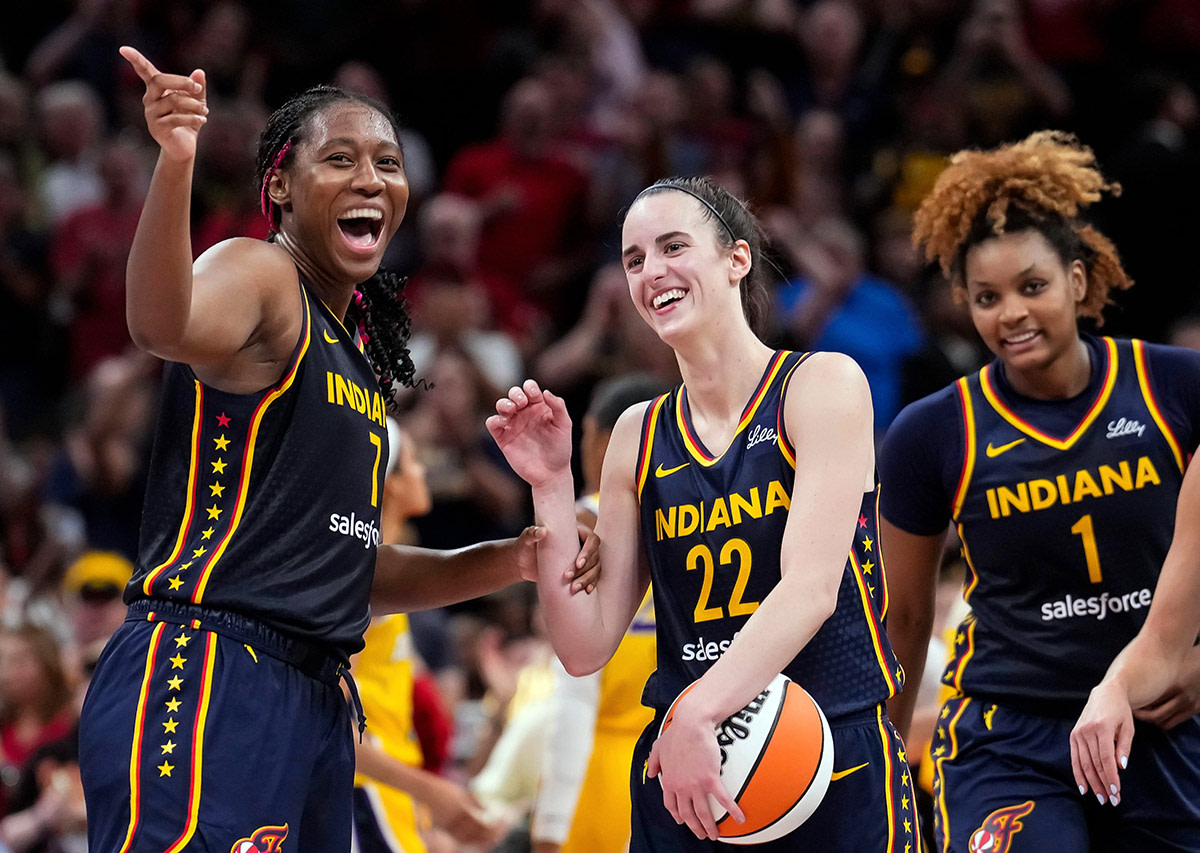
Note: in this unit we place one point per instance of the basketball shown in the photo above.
(776, 762)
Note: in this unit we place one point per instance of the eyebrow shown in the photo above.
(658, 241)
(351, 143)
(980, 283)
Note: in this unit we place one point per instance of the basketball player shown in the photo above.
(747, 494)
(583, 800)
(389, 776)
(1060, 464)
(1148, 671)
(215, 720)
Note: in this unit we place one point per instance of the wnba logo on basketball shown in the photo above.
(266, 839)
(998, 828)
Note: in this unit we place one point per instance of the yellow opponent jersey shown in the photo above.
(601, 822)
(383, 671)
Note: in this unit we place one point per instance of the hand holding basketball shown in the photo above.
(533, 430)
(687, 762)
(176, 106)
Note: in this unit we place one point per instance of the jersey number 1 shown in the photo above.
(1085, 529)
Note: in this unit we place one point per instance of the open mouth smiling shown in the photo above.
(361, 227)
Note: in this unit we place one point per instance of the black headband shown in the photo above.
(697, 197)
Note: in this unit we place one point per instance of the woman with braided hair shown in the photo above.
(215, 720)
(1059, 464)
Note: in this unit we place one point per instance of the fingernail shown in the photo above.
(1082, 789)
(1100, 797)
(1116, 800)
(1113, 788)
(570, 573)
(1124, 761)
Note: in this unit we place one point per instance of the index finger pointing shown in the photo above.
(143, 66)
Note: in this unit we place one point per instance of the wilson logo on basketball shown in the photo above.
(995, 835)
(737, 727)
(266, 839)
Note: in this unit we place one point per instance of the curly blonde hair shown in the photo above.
(1039, 183)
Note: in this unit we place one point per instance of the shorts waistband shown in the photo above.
(313, 659)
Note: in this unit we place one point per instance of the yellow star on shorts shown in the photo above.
(169, 726)
(175, 583)
(168, 748)
(182, 640)
(175, 683)
(178, 661)
(165, 769)
(173, 704)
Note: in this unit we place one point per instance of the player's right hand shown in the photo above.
(533, 430)
(176, 106)
(456, 811)
(1102, 737)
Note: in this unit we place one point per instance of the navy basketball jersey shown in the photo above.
(267, 504)
(1053, 574)
(713, 527)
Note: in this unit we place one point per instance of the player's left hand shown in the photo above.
(582, 576)
(687, 762)
(1181, 702)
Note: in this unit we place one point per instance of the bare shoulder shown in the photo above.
(623, 446)
(246, 262)
(829, 371)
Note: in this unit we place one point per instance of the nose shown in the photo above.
(1013, 310)
(653, 266)
(367, 179)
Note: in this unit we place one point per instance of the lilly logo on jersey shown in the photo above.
(351, 525)
(758, 435)
(996, 833)
(1121, 427)
(266, 839)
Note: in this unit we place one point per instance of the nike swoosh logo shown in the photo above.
(842, 774)
(664, 472)
(993, 452)
(328, 339)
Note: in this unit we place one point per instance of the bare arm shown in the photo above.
(534, 432)
(827, 413)
(912, 565)
(409, 578)
(1152, 661)
(239, 290)
(452, 808)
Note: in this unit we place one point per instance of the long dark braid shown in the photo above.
(378, 308)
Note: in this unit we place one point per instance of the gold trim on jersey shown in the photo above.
(648, 443)
(1110, 381)
(190, 501)
(139, 727)
(892, 679)
(785, 444)
(193, 815)
(939, 793)
(693, 444)
(970, 444)
(1143, 375)
(248, 462)
(888, 771)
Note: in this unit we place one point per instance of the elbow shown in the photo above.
(578, 665)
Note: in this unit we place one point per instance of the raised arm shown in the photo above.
(827, 413)
(1151, 663)
(239, 290)
(533, 430)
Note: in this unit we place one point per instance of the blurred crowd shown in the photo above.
(530, 125)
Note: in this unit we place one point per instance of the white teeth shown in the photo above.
(362, 213)
(667, 296)
(1021, 338)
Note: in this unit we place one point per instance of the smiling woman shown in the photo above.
(1059, 464)
(215, 719)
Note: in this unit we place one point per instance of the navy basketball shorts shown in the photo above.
(1003, 784)
(195, 740)
(868, 807)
